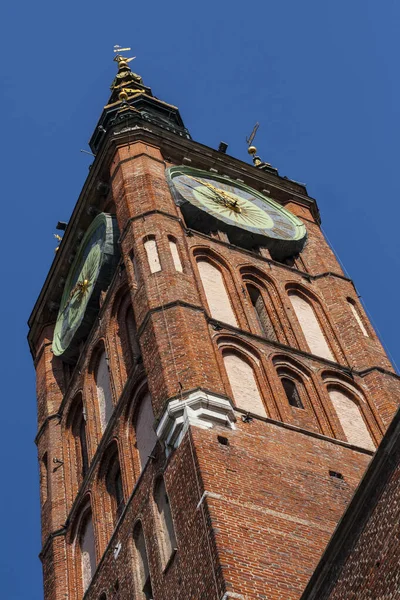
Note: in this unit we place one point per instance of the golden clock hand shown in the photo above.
(81, 287)
(212, 189)
(222, 194)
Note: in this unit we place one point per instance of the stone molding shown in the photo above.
(198, 409)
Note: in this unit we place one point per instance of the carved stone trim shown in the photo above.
(199, 409)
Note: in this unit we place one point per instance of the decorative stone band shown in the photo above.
(199, 409)
(232, 595)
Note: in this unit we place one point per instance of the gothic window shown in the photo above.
(357, 316)
(44, 481)
(310, 326)
(166, 532)
(243, 382)
(114, 484)
(153, 258)
(216, 293)
(173, 246)
(351, 419)
(261, 313)
(292, 393)
(104, 397)
(146, 437)
(142, 564)
(87, 550)
(79, 451)
(126, 330)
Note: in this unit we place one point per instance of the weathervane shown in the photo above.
(252, 150)
(122, 60)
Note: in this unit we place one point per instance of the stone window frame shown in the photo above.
(76, 466)
(230, 343)
(140, 582)
(321, 315)
(272, 301)
(79, 521)
(162, 529)
(110, 464)
(173, 240)
(201, 253)
(44, 478)
(359, 318)
(91, 383)
(331, 381)
(151, 237)
(130, 418)
(126, 354)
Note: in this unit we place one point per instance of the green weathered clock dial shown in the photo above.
(211, 202)
(90, 273)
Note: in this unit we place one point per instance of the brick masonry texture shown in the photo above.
(252, 517)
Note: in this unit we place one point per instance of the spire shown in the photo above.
(132, 103)
(126, 83)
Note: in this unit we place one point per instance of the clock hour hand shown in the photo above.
(223, 197)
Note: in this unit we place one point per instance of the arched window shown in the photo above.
(310, 326)
(166, 532)
(104, 397)
(357, 316)
(114, 485)
(103, 596)
(79, 451)
(173, 246)
(153, 259)
(216, 293)
(261, 312)
(127, 333)
(351, 419)
(142, 564)
(88, 550)
(292, 393)
(44, 481)
(146, 437)
(243, 383)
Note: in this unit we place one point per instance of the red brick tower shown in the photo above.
(210, 390)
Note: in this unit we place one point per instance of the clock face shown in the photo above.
(221, 203)
(90, 273)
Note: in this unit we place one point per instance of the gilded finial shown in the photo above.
(122, 60)
(58, 238)
(252, 150)
(125, 80)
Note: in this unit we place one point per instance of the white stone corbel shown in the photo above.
(198, 409)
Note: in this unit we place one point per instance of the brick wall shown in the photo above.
(271, 504)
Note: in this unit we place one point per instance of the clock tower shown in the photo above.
(210, 390)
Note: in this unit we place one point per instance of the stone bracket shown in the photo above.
(198, 409)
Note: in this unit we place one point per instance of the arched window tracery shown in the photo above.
(261, 313)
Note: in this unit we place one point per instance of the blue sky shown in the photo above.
(321, 78)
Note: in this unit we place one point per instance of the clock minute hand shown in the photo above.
(218, 197)
(223, 196)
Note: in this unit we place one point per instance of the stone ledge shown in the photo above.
(199, 409)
